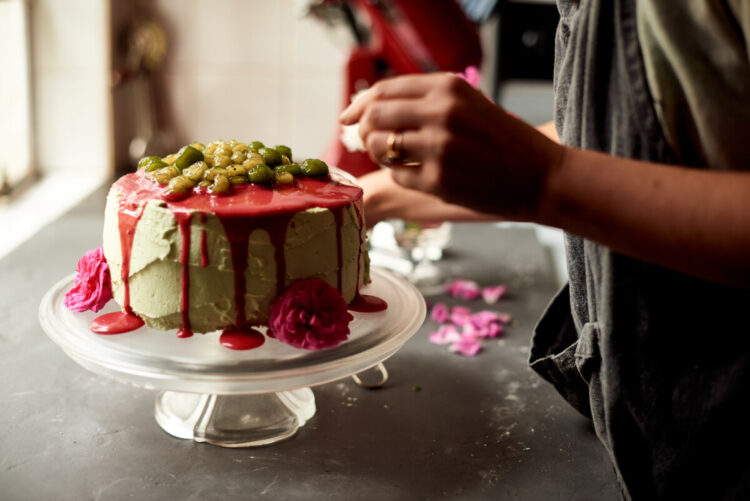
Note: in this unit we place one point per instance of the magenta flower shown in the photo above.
(445, 334)
(440, 313)
(310, 314)
(92, 287)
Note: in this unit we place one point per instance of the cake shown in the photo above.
(210, 237)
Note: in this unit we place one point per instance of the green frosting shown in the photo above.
(156, 270)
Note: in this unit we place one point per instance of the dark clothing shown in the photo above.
(658, 359)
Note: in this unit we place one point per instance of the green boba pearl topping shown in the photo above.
(187, 156)
(284, 150)
(271, 156)
(256, 145)
(156, 165)
(314, 167)
(260, 174)
(293, 169)
(145, 161)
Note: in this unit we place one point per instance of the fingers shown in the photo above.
(395, 114)
(406, 86)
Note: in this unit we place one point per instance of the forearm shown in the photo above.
(691, 220)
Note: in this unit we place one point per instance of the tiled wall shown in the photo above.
(241, 69)
(236, 69)
(70, 44)
(251, 69)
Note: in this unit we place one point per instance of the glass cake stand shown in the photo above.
(230, 398)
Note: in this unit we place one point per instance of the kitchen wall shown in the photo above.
(70, 113)
(70, 85)
(250, 69)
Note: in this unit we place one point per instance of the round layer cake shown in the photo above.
(203, 260)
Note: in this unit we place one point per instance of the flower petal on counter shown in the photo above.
(440, 313)
(460, 315)
(492, 294)
(466, 289)
(467, 345)
(445, 334)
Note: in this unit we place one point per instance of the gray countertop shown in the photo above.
(444, 427)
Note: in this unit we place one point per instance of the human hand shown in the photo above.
(385, 199)
(455, 143)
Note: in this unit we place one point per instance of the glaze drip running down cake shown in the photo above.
(206, 239)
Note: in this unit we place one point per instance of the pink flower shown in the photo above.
(440, 313)
(310, 314)
(445, 334)
(465, 289)
(485, 317)
(488, 323)
(467, 345)
(460, 315)
(483, 331)
(92, 287)
(492, 294)
(471, 75)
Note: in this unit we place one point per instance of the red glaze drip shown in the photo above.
(183, 222)
(122, 321)
(204, 243)
(115, 323)
(361, 221)
(238, 232)
(246, 339)
(127, 220)
(367, 304)
(338, 216)
(182, 333)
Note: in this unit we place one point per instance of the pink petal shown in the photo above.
(492, 294)
(493, 330)
(451, 287)
(484, 318)
(466, 289)
(504, 318)
(469, 293)
(460, 315)
(445, 334)
(470, 331)
(485, 331)
(466, 346)
(440, 313)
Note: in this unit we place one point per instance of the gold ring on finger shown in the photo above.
(393, 146)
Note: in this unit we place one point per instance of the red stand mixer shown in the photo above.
(396, 37)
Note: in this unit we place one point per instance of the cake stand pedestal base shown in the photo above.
(234, 420)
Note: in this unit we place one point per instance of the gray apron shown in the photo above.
(658, 359)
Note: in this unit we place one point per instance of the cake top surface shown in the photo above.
(244, 200)
(235, 179)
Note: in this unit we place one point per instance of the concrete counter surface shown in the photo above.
(445, 426)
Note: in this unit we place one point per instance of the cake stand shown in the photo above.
(230, 398)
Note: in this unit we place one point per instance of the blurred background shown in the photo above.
(92, 85)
